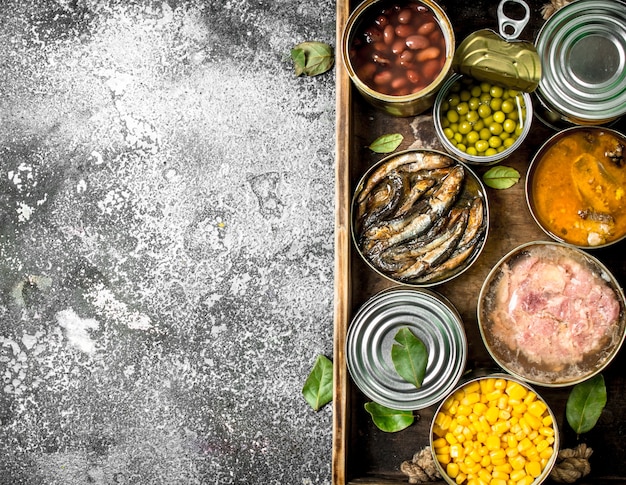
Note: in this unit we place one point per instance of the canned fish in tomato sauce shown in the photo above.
(371, 335)
(583, 54)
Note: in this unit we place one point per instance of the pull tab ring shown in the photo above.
(506, 23)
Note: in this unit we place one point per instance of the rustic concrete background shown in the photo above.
(166, 242)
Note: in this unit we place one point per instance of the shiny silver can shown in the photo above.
(371, 335)
(582, 48)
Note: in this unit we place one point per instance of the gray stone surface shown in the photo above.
(166, 242)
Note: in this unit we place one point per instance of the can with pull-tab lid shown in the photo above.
(582, 48)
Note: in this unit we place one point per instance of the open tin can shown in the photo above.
(583, 53)
(432, 319)
(380, 23)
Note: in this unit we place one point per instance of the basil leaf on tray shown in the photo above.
(386, 143)
(387, 419)
(585, 404)
(409, 356)
(318, 387)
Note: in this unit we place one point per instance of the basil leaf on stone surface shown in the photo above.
(312, 58)
(409, 356)
(501, 177)
(387, 419)
(585, 404)
(386, 143)
(318, 387)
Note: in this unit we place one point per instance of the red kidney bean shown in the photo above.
(398, 47)
(383, 77)
(430, 69)
(436, 38)
(404, 30)
(416, 42)
(398, 83)
(389, 34)
(413, 76)
(378, 58)
(404, 16)
(427, 28)
(366, 71)
(405, 57)
(428, 54)
(373, 35)
(381, 21)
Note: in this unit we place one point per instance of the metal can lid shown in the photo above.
(371, 336)
(486, 56)
(583, 51)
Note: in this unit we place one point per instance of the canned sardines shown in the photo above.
(419, 217)
(575, 187)
(495, 430)
(583, 53)
(371, 336)
(398, 53)
(551, 314)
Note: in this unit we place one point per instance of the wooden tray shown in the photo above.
(362, 453)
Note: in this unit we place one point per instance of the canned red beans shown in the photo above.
(400, 49)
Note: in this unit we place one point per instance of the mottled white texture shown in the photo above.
(180, 181)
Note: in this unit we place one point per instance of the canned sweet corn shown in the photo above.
(494, 430)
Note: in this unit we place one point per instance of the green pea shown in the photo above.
(496, 91)
(485, 87)
(472, 137)
(481, 146)
(474, 103)
(495, 128)
(485, 98)
(495, 141)
(484, 134)
(472, 151)
(476, 91)
(453, 116)
(465, 95)
(509, 125)
(508, 106)
(453, 100)
(458, 137)
(472, 116)
(448, 133)
(490, 151)
(495, 104)
(499, 117)
(462, 108)
(484, 111)
(465, 127)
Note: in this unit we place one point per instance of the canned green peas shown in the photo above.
(482, 119)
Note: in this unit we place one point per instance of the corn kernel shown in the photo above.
(511, 452)
(504, 468)
(503, 402)
(533, 468)
(500, 427)
(485, 461)
(479, 408)
(517, 475)
(497, 475)
(484, 475)
(519, 409)
(525, 481)
(546, 431)
(532, 420)
(517, 462)
(464, 410)
(456, 451)
(439, 442)
(500, 384)
(516, 391)
(547, 420)
(547, 453)
(475, 456)
(530, 397)
(460, 478)
(498, 481)
(470, 399)
(487, 385)
(494, 395)
(472, 387)
(537, 408)
(525, 426)
(443, 459)
(511, 441)
(452, 469)
(493, 442)
(542, 445)
(524, 445)
(492, 414)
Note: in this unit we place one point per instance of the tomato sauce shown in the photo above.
(578, 188)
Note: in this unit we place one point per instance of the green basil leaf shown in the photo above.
(501, 177)
(312, 58)
(387, 419)
(318, 387)
(299, 60)
(386, 143)
(409, 356)
(585, 404)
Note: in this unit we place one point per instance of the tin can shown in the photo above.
(583, 53)
(489, 388)
(432, 319)
(538, 335)
(402, 105)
